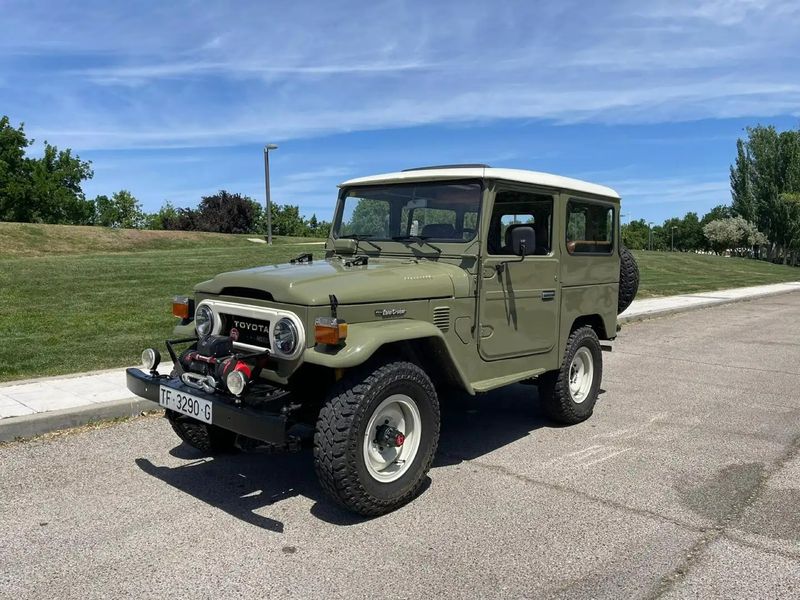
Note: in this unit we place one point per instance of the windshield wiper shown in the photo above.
(419, 239)
(360, 238)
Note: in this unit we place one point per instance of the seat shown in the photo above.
(438, 230)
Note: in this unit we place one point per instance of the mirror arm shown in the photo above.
(501, 266)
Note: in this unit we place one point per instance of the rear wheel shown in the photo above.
(376, 438)
(569, 394)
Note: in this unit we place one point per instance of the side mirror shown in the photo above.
(523, 240)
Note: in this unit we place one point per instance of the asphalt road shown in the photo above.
(684, 483)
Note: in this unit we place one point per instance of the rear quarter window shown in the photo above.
(590, 227)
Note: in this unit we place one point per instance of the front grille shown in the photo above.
(246, 330)
(243, 292)
(441, 317)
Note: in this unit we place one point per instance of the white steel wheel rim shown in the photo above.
(581, 375)
(388, 463)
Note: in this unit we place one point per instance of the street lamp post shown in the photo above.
(267, 148)
(650, 235)
(672, 244)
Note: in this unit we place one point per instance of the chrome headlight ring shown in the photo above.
(285, 337)
(204, 320)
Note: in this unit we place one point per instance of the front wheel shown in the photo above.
(376, 437)
(569, 394)
(209, 439)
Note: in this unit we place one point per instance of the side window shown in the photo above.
(514, 209)
(590, 227)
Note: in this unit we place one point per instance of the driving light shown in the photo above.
(203, 320)
(236, 382)
(330, 330)
(284, 336)
(151, 358)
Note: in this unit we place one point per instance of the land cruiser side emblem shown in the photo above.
(390, 313)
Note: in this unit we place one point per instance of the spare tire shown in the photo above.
(628, 279)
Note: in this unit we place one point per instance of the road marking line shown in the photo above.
(604, 458)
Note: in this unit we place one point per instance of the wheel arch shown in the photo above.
(417, 341)
(594, 321)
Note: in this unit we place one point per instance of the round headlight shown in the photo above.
(284, 336)
(236, 382)
(203, 320)
(150, 358)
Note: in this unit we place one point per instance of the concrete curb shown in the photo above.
(27, 426)
(706, 303)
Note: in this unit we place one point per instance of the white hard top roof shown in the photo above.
(477, 172)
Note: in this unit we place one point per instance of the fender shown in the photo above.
(364, 339)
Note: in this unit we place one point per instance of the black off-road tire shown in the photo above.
(554, 390)
(209, 439)
(340, 431)
(628, 279)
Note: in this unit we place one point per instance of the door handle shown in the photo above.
(548, 295)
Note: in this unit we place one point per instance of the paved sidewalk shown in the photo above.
(36, 406)
(658, 307)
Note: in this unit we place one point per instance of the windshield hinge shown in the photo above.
(305, 257)
(358, 260)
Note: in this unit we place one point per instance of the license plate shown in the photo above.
(186, 404)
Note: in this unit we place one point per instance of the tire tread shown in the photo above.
(335, 447)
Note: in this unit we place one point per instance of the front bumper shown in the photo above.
(256, 424)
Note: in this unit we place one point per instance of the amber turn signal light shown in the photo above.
(329, 330)
(182, 307)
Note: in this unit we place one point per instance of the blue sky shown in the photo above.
(174, 100)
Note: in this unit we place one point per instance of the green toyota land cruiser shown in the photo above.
(461, 276)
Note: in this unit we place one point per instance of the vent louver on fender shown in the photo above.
(441, 317)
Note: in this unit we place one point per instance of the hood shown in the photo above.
(382, 280)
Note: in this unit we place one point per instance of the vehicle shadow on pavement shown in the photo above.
(473, 426)
(244, 485)
(241, 484)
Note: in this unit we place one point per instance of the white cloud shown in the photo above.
(184, 74)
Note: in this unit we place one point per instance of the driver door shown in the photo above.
(519, 299)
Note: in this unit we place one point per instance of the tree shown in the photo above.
(287, 220)
(789, 210)
(691, 233)
(767, 167)
(14, 170)
(56, 195)
(46, 189)
(635, 234)
(228, 213)
(166, 216)
(733, 233)
(121, 210)
(720, 211)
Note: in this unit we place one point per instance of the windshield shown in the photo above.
(444, 211)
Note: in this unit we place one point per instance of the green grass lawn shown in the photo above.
(97, 302)
(34, 239)
(669, 273)
(67, 313)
